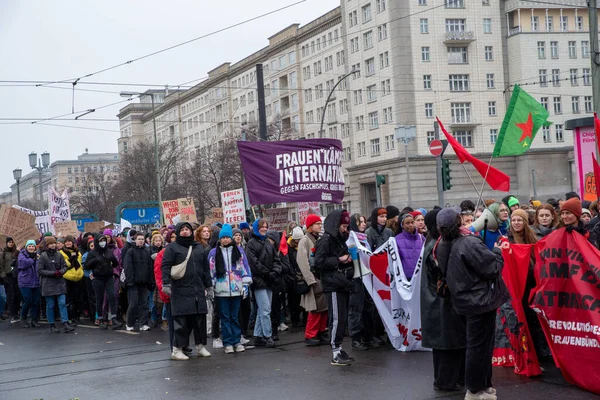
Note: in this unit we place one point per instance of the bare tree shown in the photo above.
(279, 128)
(96, 194)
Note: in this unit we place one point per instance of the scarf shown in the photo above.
(256, 232)
(185, 241)
(220, 262)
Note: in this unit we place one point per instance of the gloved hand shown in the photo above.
(245, 291)
(570, 228)
(153, 256)
(58, 273)
(210, 293)
(166, 289)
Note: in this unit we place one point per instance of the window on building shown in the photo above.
(371, 93)
(489, 78)
(461, 112)
(347, 154)
(455, 25)
(493, 135)
(384, 60)
(358, 99)
(345, 130)
(555, 77)
(386, 87)
(558, 128)
(382, 32)
(535, 24)
(430, 137)
(368, 40)
(426, 82)
(429, 110)
(585, 49)
(360, 122)
(374, 120)
(69, 170)
(543, 77)
(489, 55)
(573, 76)
(564, 23)
(457, 55)
(380, 5)
(366, 13)
(424, 25)
(575, 104)
(589, 107)
(572, 49)
(370, 66)
(390, 143)
(491, 108)
(549, 23)
(375, 148)
(587, 80)
(579, 23)
(362, 149)
(557, 105)
(387, 115)
(455, 3)
(544, 102)
(422, 2)
(554, 49)
(459, 83)
(487, 25)
(307, 95)
(352, 21)
(465, 138)
(546, 134)
(354, 45)
(425, 53)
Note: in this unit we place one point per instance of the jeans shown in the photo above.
(229, 309)
(31, 302)
(62, 307)
(262, 328)
(2, 299)
(102, 285)
(138, 305)
(480, 346)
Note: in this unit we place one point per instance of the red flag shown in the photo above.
(283, 246)
(497, 179)
(596, 174)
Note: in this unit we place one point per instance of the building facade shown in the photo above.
(81, 173)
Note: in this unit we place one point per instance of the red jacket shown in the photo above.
(158, 276)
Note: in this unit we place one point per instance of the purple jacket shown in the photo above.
(409, 247)
(27, 270)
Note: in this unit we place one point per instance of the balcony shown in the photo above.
(331, 119)
(463, 121)
(459, 37)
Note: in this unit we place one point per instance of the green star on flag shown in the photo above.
(524, 117)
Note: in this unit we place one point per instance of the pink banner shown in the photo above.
(584, 143)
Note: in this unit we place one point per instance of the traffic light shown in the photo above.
(380, 180)
(446, 178)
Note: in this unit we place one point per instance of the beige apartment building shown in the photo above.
(86, 172)
(413, 61)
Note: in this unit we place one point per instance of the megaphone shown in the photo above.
(479, 224)
(359, 269)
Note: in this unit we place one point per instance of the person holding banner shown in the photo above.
(377, 233)
(334, 263)
(409, 242)
(474, 278)
(29, 284)
(545, 220)
(570, 217)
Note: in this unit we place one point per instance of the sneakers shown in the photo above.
(202, 352)
(275, 338)
(243, 340)
(15, 320)
(340, 360)
(67, 328)
(282, 327)
(269, 342)
(53, 329)
(481, 395)
(144, 328)
(34, 324)
(178, 355)
(358, 345)
(239, 348)
(378, 340)
(311, 342)
(346, 355)
(490, 390)
(324, 338)
(217, 343)
(116, 324)
(103, 325)
(259, 341)
(164, 326)
(229, 350)
(129, 328)
(25, 324)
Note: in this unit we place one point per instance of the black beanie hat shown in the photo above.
(392, 212)
(9, 239)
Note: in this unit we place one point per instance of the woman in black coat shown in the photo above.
(444, 331)
(188, 294)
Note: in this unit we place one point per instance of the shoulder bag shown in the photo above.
(178, 271)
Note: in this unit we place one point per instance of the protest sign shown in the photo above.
(234, 209)
(305, 209)
(96, 226)
(66, 228)
(58, 206)
(278, 218)
(216, 215)
(42, 219)
(18, 224)
(187, 210)
(293, 170)
(170, 210)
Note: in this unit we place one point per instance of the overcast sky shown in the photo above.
(60, 40)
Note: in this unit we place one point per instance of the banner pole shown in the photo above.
(471, 179)
(480, 193)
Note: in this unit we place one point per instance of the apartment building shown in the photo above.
(86, 172)
(398, 63)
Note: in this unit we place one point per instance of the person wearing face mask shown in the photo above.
(51, 268)
(266, 271)
(377, 233)
(409, 242)
(188, 294)
(545, 220)
(29, 284)
(101, 262)
(138, 279)
(334, 264)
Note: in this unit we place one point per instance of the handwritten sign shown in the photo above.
(234, 209)
(96, 227)
(66, 228)
(305, 209)
(42, 218)
(58, 206)
(187, 210)
(278, 218)
(18, 224)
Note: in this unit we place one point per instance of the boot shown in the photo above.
(67, 328)
(53, 329)
(116, 324)
(103, 325)
(202, 352)
(178, 355)
(25, 324)
(269, 342)
(34, 324)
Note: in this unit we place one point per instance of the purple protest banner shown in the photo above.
(293, 170)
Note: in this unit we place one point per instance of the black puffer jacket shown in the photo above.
(139, 268)
(376, 235)
(335, 276)
(473, 274)
(100, 260)
(188, 295)
(264, 262)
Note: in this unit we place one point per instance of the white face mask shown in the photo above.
(102, 244)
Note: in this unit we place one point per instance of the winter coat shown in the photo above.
(188, 295)
(473, 274)
(264, 262)
(335, 276)
(138, 267)
(443, 328)
(409, 247)
(101, 261)
(27, 276)
(48, 263)
(73, 260)
(541, 231)
(377, 236)
(236, 276)
(6, 262)
(314, 300)
(116, 251)
(158, 276)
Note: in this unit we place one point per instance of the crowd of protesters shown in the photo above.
(243, 285)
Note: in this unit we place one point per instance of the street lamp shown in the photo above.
(354, 71)
(156, 159)
(17, 173)
(406, 134)
(40, 165)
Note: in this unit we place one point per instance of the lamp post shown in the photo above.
(406, 134)
(156, 158)
(40, 164)
(17, 173)
(329, 96)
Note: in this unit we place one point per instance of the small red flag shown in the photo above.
(597, 128)
(596, 175)
(283, 246)
(497, 179)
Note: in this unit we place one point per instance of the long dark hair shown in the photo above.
(452, 232)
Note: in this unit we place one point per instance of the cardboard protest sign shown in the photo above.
(278, 218)
(58, 206)
(307, 208)
(216, 215)
(96, 226)
(66, 228)
(18, 224)
(42, 218)
(187, 210)
(234, 209)
(170, 210)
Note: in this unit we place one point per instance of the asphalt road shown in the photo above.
(95, 364)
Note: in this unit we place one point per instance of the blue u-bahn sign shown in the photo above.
(141, 216)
